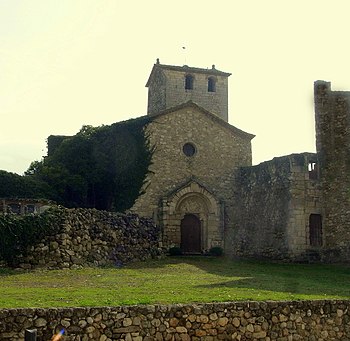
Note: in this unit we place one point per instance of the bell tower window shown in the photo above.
(189, 82)
(211, 84)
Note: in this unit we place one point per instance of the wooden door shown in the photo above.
(191, 234)
(315, 225)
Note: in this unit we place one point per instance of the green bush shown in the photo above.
(175, 251)
(216, 251)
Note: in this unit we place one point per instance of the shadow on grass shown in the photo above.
(301, 279)
(270, 278)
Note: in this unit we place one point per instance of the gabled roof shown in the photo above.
(188, 69)
(217, 119)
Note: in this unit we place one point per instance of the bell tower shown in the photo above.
(169, 86)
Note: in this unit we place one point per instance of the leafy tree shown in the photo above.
(15, 186)
(101, 167)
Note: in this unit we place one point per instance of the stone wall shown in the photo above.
(270, 208)
(90, 237)
(269, 321)
(332, 113)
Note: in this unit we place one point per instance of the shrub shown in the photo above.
(175, 251)
(216, 251)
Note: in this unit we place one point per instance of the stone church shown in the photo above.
(196, 153)
(201, 187)
(203, 190)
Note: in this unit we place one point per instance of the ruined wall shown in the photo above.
(90, 237)
(332, 113)
(282, 321)
(271, 205)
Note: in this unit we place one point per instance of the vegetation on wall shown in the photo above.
(18, 233)
(100, 167)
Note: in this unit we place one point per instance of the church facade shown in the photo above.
(203, 190)
(196, 152)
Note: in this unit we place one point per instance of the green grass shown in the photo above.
(174, 280)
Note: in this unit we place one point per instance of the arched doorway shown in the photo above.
(190, 234)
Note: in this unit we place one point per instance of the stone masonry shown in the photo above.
(268, 321)
(271, 207)
(166, 89)
(89, 237)
(167, 193)
(332, 109)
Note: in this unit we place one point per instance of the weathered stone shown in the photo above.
(181, 330)
(173, 322)
(213, 316)
(127, 322)
(236, 322)
(200, 332)
(40, 322)
(250, 328)
(259, 335)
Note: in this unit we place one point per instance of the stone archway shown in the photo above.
(204, 209)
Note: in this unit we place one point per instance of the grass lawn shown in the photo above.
(173, 280)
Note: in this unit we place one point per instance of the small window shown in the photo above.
(315, 229)
(211, 84)
(312, 168)
(29, 209)
(189, 82)
(14, 208)
(189, 149)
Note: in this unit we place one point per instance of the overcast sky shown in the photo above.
(69, 63)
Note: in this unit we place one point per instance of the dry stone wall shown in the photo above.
(269, 321)
(92, 237)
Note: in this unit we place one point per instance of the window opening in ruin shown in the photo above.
(313, 172)
(189, 149)
(211, 84)
(189, 82)
(315, 229)
(14, 208)
(29, 209)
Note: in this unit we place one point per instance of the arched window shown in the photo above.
(211, 84)
(189, 82)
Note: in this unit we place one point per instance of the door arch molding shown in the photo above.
(192, 199)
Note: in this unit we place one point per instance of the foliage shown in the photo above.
(18, 233)
(175, 251)
(174, 280)
(15, 186)
(216, 251)
(101, 167)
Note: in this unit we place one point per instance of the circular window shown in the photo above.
(189, 149)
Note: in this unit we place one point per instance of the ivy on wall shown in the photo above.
(99, 167)
(19, 233)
